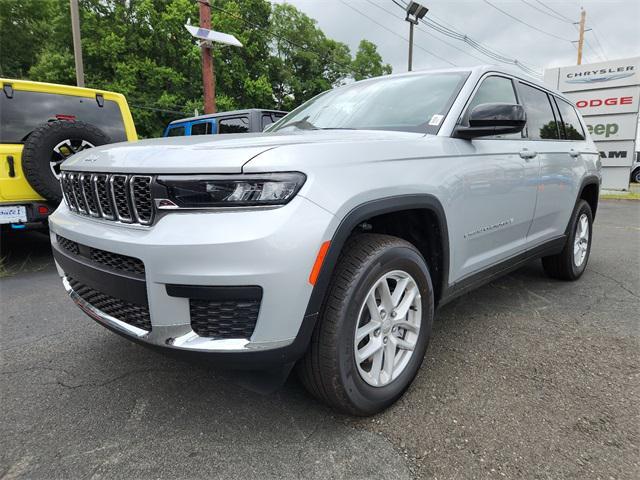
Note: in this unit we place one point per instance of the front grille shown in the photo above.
(136, 315)
(116, 261)
(224, 319)
(69, 245)
(113, 261)
(124, 198)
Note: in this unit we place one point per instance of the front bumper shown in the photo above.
(273, 249)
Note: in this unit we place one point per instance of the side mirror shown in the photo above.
(493, 119)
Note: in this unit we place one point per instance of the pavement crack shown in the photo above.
(107, 382)
(617, 282)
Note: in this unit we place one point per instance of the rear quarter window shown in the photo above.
(26, 111)
(570, 125)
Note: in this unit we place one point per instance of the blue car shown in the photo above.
(237, 121)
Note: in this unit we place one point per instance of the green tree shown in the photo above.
(368, 62)
(305, 62)
(141, 49)
(26, 28)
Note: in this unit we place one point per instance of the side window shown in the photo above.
(202, 128)
(176, 132)
(493, 90)
(541, 123)
(269, 118)
(234, 125)
(570, 126)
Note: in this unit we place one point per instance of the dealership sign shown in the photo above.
(616, 73)
(612, 127)
(605, 102)
(607, 95)
(616, 154)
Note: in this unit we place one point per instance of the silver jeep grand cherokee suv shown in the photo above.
(329, 241)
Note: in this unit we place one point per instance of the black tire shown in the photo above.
(563, 265)
(38, 152)
(635, 176)
(328, 370)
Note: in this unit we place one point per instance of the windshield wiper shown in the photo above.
(302, 124)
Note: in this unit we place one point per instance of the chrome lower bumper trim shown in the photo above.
(179, 337)
(101, 317)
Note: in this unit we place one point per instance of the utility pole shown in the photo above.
(208, 74)
(583, 19)
(77, 44)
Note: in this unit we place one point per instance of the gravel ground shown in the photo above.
(524, 378)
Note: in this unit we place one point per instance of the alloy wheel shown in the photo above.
(581, 240)
(388, 327)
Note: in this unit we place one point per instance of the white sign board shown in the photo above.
(612, 127)
(616, 154)
(212, 36)
(615, 73)
(606, 102)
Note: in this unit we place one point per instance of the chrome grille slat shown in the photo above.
(141, 204)
(115, 197)
(88, 194)
(103, 195)
(66, 191)
(120, 195)
(77, 192)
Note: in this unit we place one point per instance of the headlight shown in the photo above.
(206, 191)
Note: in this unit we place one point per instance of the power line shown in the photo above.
(432, 23)
(396, 33)
(525, 23)
(157, 109)
(595, 36)
(554, 11)
(425, 31)
(552, 15)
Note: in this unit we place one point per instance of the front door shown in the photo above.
(493, 206)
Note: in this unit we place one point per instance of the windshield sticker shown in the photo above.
(435, 120)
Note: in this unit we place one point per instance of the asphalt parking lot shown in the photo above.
(524, 378)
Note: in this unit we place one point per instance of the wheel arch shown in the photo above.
(367, 211)
(590, 192)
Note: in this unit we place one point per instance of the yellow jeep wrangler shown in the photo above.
(41, 124)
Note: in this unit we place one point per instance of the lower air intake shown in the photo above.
(224, 319)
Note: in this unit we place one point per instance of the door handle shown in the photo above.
(574, 153)
(527, 154)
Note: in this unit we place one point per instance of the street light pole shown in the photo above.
(208, 73)
(411, 24)
(415, 12)
(77, 44)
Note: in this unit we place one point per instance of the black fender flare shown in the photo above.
(590, 179)
(355, 217)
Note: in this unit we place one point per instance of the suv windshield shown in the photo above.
(412, 103)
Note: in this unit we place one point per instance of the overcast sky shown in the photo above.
(615, 25)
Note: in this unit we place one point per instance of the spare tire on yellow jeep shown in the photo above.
(51, 144)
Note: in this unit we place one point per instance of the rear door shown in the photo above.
(493, 207)
(560, 173)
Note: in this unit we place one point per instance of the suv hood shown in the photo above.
(211, 153)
